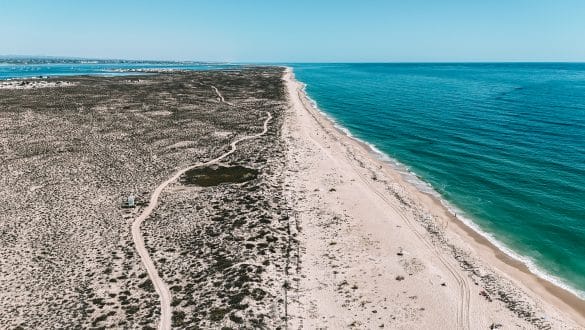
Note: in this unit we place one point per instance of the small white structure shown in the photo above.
(130, 202)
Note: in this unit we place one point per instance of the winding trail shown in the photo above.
(159, 285)
(221, 99)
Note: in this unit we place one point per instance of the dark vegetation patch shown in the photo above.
(147, 285)
(178, 318)
(217, 314)
(216, 174)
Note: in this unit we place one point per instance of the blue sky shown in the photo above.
(297, 31)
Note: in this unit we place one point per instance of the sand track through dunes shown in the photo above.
(159, 285)
(220, 97)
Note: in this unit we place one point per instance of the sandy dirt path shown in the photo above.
(159, 285)
(220, 97)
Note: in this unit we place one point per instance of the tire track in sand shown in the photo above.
(159, 285)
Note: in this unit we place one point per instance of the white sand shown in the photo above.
(32, 84)
(376, 252)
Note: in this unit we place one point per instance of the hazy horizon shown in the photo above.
(300, 32)
(79, 58)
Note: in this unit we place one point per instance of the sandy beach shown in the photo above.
(377, 253)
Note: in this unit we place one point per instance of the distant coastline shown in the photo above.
(31, 68)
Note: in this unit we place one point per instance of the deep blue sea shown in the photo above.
(503, 144)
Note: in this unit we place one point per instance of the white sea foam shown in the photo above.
(425, 187)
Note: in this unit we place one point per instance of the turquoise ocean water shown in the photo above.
(503, 144)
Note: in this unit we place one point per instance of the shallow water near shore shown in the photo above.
(502, 144)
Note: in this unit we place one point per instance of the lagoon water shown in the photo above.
(31, 70)
(502, 143)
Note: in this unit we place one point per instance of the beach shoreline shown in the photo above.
(552, 298)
